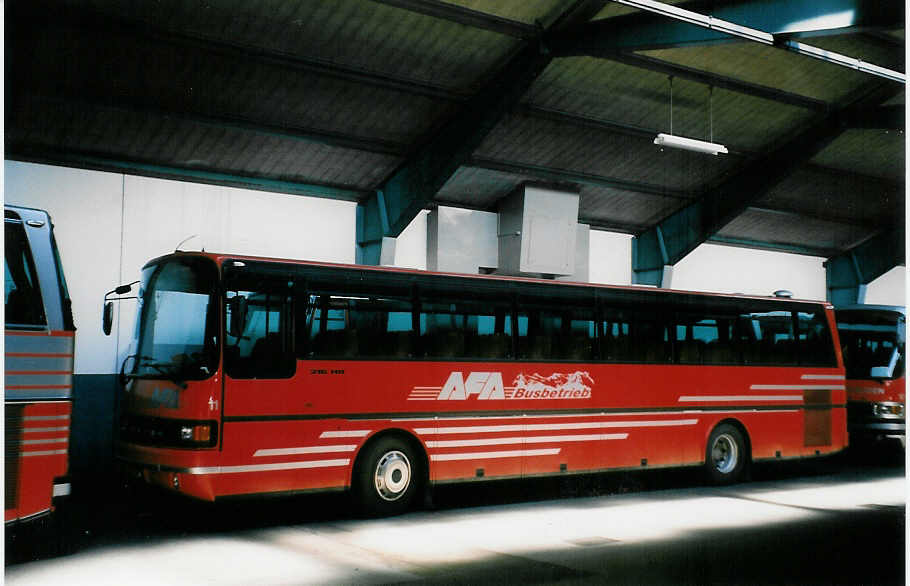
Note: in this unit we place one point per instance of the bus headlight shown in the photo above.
(888, 410)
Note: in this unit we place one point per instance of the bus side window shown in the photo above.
(771, 338)
(356, 323)
(264, 348)
(815, 346)
(22, 296)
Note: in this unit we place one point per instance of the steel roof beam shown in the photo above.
(681, 232)
(103, 162)
(414, 184)
(771, 246)
(467, 17)
(231, 122)
(719, 81)
(848, 274)
(643, 31)
(568, 176)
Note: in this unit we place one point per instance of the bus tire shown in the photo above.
(725, 455)
(387, 478)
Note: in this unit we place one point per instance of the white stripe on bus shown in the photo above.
(823, 377)
(44, 417)
(47, 453)
(59, 440)
(727, 398)
(534, 416)
(491, 455)
(543, 439)
(797, 387)
(304, 450)
(269, 467)
(44, 429)
(553, 426)
(337, 434)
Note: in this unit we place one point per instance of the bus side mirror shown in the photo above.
(107, 318)
(239, 309)
(880, 372)
(107, 312)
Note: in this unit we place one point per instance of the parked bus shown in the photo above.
(38, 360)
(873, 339)
(254, 375)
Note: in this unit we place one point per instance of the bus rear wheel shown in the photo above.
(387, 478)
(725, 455)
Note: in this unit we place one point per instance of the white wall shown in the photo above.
(108, 225)
(889, 289)
(725, 269)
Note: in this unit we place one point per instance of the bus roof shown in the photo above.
(221, 258)
(860, 307)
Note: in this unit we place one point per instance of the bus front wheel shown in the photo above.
(725, 455)
(387, 478)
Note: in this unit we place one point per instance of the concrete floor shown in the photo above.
(837, 521)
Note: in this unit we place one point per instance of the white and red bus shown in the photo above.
(255, 375)
(38, 362)
(873, 339)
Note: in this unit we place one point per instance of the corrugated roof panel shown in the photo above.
(526, 12)
(356, 33)
(214, 85)
(873, 152)
(816, 192)
(118, 134)
(600, 206)
(478, 188)
(793, 230)
(616, 92)
(604, 206)
(523, 139)
(770, 67)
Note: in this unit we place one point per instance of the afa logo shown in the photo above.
(486, 385)
(489, 386)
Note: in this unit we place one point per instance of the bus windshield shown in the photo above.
(872, 340)
(176, 335)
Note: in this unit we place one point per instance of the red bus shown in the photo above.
(255, 375)
(39, 338)
(873, 338)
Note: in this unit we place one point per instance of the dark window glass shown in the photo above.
(264, 347)
(357, 321)
(22, 296)
(815, 346)
(635, 335)
(465, 324)
(767, 338)
(705, 340)
(871, 339)
(556, 329)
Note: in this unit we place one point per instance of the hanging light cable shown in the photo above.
(691, 144)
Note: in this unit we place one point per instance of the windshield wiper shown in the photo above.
(166, 369)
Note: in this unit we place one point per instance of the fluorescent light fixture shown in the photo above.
(689, 144)
(702, 20)
(845, 61)
(765, 38)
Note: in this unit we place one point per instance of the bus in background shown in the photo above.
(255, 375)
(39, 340)
(872, 339)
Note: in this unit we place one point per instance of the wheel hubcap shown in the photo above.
(724, 453)
(393, 475)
